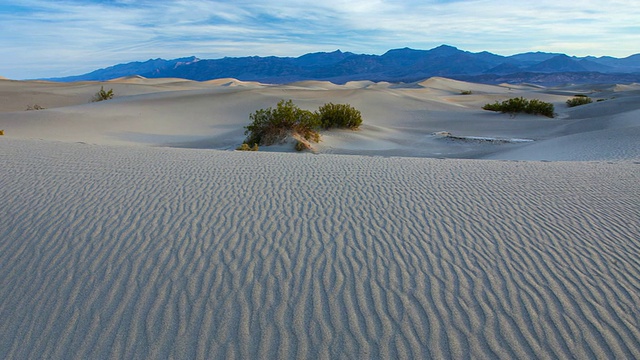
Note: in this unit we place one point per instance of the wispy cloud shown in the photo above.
(44, 38)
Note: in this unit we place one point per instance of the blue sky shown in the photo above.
(42, 38)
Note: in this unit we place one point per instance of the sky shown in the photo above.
(53, 38)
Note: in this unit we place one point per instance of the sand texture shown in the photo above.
(135, 252)
(130, 228)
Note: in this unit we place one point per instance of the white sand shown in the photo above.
(399, 119)
(111, 248)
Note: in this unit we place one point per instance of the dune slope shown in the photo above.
(137, 252)
(398, 119)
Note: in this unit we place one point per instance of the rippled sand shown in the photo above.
(140, 252)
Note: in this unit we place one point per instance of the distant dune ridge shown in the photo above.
(129, 228)
(400, 119)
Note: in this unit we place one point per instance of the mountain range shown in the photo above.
(398, 65)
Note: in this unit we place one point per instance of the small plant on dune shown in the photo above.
(579, 100)
(269, 126)
(103, 95)
(466, 92)
(538, 107)
(1, 132)
(339, 116)
(34, 107)
(522, 105)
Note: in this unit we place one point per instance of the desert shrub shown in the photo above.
(579, 100)
(339, 116)
(1, 132)
(246, 147)
(270, 125)
(466, 92)
(493, 107)
(522, 105)
(34, 107)
(103, 95)
(538, 107)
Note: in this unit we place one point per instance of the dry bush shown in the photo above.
(579, 100)
(102, 95)
(522, 105)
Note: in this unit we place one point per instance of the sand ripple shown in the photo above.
(153, 253)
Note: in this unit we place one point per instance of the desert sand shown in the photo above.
(130, 228)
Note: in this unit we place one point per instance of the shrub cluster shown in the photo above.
(102, 95)
(522, 105)
(269, 126)
(579, 100)
(339, 116)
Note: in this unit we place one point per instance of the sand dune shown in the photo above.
(399, 119)
(142, 252)
(125, 231)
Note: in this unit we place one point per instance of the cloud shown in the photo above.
(70, 36)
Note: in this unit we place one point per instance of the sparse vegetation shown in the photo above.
(1, 132)
(578, 100)
(246, 147)
(269, 126)
(34, 107)
(339, 116)
(466, 92)
(103, 95)
(522, 105)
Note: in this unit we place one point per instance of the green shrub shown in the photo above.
(270, 125)
(339, 116)
(466, 92)
(538, 107)
(103, 95)
(522, 105)
(579, 100)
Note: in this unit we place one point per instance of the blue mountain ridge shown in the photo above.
(397, 65)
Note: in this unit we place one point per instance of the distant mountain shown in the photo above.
(149, 68)
(397, 65)
(559, 63)
(532, 58)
